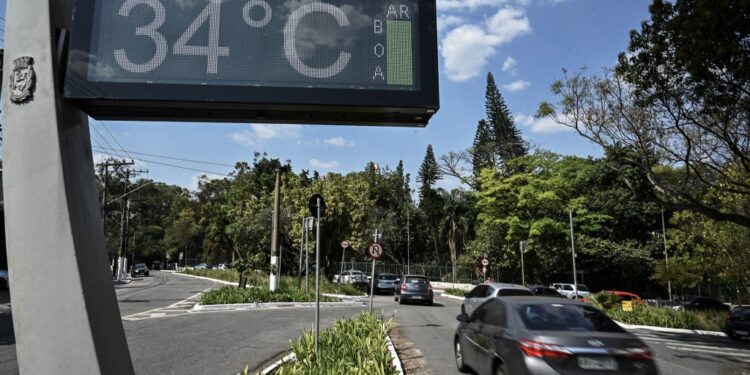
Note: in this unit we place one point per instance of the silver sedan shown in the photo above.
(483, 292)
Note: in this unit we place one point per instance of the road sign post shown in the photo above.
(375, 251)
(65, 313)
(317, 206)
(485, 263)
(344, 246)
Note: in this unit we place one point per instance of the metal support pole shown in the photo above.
(573, 251)
(299, 261)
(523, 272)
(317, 279)
(372, 283)
(65, 313)
(666, 254)
(408, 239)
(307, 253)
(341, 274)
(273, 277)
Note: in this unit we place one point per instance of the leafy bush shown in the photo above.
(260, 279)
(669, 318)
(231, 294)
(454, 292)
(355, 346)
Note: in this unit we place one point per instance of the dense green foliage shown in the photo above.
(454, 292)
(230, 295)
(354, 346)
(669, 318)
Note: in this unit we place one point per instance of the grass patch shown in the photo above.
(645, 315)
(351, 346)
(454, 292)
(289, 283)
(231, 295)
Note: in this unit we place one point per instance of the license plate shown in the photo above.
(741, 333)
(417, 297)
(597, 363)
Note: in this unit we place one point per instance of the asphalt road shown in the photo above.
(165, 337)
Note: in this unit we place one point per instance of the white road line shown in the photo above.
(185, 301)
(715, 352)
(722, 348)
(158, 315)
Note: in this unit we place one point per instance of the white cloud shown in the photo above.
(510, 64)
(339, 142)
(315, 163)
(466, 49)
(264, 132)
(472, 4)
(517, 85)
(447, 21)
(545, 125)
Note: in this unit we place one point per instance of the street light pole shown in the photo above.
(573, 250)
(666, 255)
(317, 278)
(408, 240)
(522, 244)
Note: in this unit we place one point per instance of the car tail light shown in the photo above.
(429, 286)
(542, 350)
(403, 286)
(638, 353)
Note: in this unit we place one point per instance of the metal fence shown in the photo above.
(468, 275)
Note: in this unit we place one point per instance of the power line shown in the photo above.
(175, 158)
(115, 139)
(181, 167)
(107, 142)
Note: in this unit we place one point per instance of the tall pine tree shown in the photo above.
(429, 173)
(482, 151)
(508, 143)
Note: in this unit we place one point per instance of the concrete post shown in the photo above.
(65, 313)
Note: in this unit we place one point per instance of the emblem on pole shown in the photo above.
(22, 80)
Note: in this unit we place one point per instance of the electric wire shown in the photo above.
(175, 158)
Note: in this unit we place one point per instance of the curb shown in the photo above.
(206, 278)
(444, 295)
(273, 366)
(344, 296)
(673, 330)
(395, 360)
(271, 305)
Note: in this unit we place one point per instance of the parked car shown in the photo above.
(483, 292)
(4, 279)
(540, 335)
(704, 304)
(544, 291)
(139, 269)
(625, 296)
(202, 266)
(385, 282)
(569, 290)
(351, 277)
(413, 288)
(223, 266)
(737, 325)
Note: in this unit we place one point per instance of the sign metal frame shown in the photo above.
(267, 104)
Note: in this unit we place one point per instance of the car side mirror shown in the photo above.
(463, 318)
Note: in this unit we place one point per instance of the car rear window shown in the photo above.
(514, 292)
(565, 317)
(416, 280)
(583, 288)
(387, 277)
(743, 312)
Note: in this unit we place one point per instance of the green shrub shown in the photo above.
(669, 318)
(355, 346)
(231, 294)
(286, 282)
(454, 292)
(226, 275)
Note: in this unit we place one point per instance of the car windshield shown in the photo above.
(357, 273)
(565, 317)
(583, 288)
(387, 277)
(514, 292)
(140, 266)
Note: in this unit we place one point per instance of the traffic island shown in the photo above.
(233, 298)
(360, 345)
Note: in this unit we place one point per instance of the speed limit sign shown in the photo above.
(345, 244)
(375, 251)
(485, 262)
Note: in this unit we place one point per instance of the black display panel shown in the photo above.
(298, 61)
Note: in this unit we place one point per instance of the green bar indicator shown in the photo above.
(399, 53)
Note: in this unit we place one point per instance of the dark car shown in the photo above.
(737, 325)
(385, 282)
(139, 269)
(413, 288)
(541, 335)
(705, 303)
(544, 291)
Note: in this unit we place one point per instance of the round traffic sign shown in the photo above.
(313, 205)
(375, 251)
(345, 244)
(485, 262)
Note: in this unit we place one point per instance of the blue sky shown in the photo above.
(524, 43)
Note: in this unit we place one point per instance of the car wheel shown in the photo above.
(429, 303)
(3, 284)
(459, 355)
(500, 369)
(401, 301)
(395, 298)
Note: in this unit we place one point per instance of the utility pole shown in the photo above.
(301, 248)
(273, 278)
(666, 255)
(573, 250)
(522, 245)
(408, 239)
(104, 206)
(376, 239)
(123, 253)
(317, 276)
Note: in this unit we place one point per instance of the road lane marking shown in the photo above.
(709, 351)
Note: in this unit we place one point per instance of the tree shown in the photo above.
(429, 172)
(680, 98)
(508, 143)
(455, 221)
(482, 150)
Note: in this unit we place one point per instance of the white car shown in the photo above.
(351, 277)
(483, 292)
(569, 290)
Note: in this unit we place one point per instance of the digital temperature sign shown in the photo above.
(290, 61)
